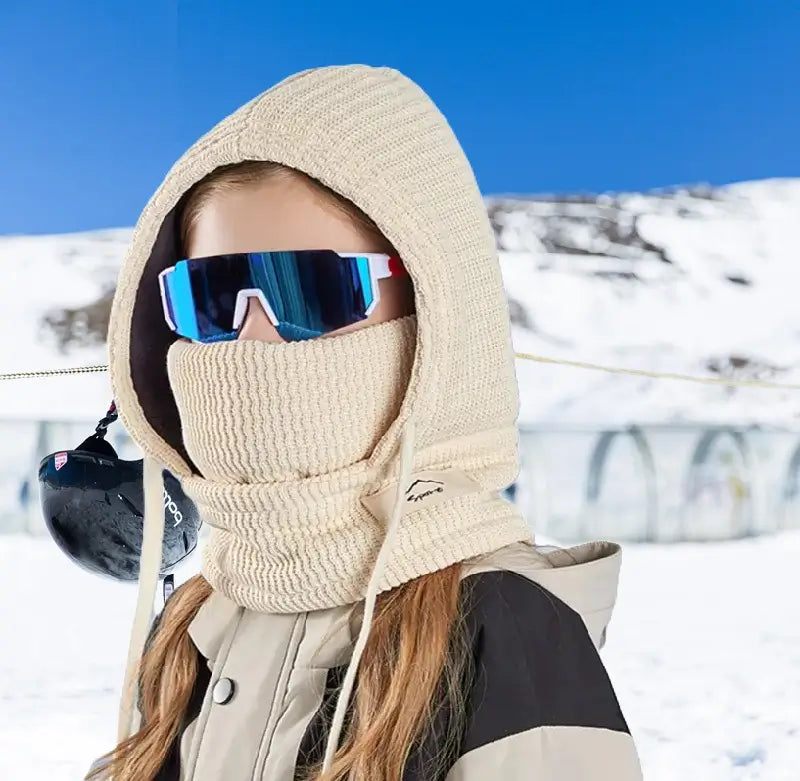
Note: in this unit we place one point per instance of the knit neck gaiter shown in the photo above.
(281, 434)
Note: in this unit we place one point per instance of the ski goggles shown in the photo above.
(305, 293)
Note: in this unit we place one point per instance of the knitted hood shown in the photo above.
(375, 137)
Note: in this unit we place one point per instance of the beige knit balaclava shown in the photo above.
(313, 504)
(281, 433)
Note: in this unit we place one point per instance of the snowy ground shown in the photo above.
(704, 651)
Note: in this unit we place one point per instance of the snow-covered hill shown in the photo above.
(700, 280)
(40, 275)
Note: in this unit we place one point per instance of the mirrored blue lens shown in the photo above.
(311, 292)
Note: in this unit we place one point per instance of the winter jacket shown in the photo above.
(540, 706)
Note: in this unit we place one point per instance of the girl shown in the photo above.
(331, 376)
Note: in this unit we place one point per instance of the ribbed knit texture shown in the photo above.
(278, 412)
(281, 433)
(291, 533)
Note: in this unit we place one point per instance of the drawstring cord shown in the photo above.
(149, 568)
(343, 700)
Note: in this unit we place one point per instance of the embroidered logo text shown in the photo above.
(420, 489)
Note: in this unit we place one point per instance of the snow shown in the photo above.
(703, 651)
(40, 274)
(644, 281)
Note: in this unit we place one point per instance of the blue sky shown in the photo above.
(99, 99)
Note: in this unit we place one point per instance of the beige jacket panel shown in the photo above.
(278, 664)
(553, 754)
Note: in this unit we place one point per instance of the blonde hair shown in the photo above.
(415, 663)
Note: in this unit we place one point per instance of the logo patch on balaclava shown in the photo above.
(424, 490)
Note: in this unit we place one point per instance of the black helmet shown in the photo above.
(93, 505)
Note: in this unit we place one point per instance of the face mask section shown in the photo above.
(266, 412)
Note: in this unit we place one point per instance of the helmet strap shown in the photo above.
(104, 422)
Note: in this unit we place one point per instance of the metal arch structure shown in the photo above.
(596, 473)
(700, 456)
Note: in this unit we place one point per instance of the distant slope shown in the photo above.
(698, 280)
(39, 275)
(701, 281)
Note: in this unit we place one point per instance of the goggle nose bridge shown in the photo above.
(242, 299)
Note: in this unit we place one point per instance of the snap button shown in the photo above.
(223, 692)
